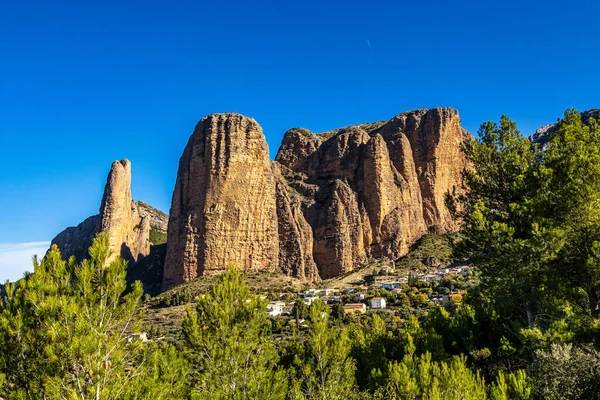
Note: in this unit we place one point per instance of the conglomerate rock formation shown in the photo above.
(128, 223)
(326, 204)
(224, 208)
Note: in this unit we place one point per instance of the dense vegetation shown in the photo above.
(529, 329)
(157, 236)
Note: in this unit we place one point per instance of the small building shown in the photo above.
(360, 296)
(310, 300)
(275, 307)
(431, 278)
(391, 285)
(355, 308)
(377, 303)
(441, 299)
(287, 310)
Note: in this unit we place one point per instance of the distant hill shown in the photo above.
(543, 134)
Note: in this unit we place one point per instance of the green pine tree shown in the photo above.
(233, 353)
(64, 333)
(324, 368)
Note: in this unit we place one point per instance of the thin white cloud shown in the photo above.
(16, 258)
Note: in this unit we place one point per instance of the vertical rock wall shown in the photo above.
(224, 208)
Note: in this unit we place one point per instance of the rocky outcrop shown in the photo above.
(128, 223)
(224, 207)
(435, 137)
(76, 240)
(543, 134)
(158, 220)
(372, 190)
(325, 205)
(128, 232)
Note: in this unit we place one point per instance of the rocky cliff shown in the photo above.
(326, 204)
(224, 208)
(128, 223)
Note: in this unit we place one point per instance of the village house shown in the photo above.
(441, 299)
(287, 310)
(327, 292)
(431, 278)
(391, 285)
(275, 307)
(309, 300)
(360, 296)
(355, 308)
(377, 303)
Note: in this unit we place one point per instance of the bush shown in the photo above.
(567, 372)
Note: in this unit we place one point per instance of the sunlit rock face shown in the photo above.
(326, 204)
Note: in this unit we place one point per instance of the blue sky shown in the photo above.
(83, 84)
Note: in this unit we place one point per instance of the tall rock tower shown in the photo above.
(128, 223)
(128, 233)
(223, 210)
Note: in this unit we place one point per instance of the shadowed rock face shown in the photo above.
(543, 134)
(224, 208)
(76, 240)
(128, 223)
(326, 204)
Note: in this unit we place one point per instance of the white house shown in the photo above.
(310, 300)
(275, 307)
(431, 278)
(378, 302)
(391, 285)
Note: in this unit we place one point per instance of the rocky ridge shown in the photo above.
(326, 204)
